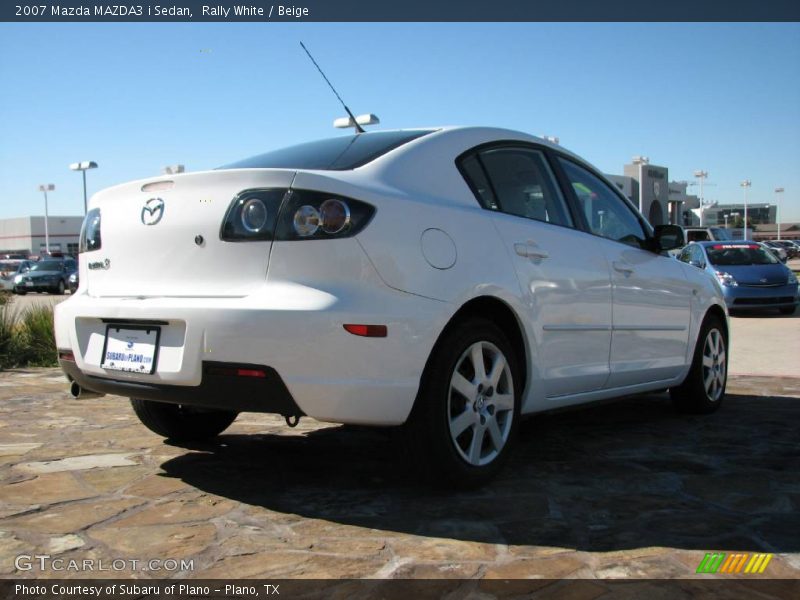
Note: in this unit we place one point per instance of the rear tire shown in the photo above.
(703, 389)
(180, 422)
(787, 310)
(467, 411)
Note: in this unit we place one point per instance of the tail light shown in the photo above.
(90, 239)
(252, 216)
(309, 215)
(284, 215)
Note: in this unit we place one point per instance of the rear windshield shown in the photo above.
(332, 154)
(739, 254)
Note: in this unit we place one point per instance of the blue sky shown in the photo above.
(724, 98)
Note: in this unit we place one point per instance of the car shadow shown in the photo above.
(609, 477)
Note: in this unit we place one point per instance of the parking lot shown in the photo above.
(630, 489)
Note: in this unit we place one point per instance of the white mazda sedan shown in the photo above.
(449, 281)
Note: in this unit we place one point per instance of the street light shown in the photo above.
(778, 209)
(745, 184)
(701, 175)
(725, 216)
(44, 188)
(83, 167)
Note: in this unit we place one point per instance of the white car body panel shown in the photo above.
(651, 315)
(162, 259)
(567, 301)
(589, 332)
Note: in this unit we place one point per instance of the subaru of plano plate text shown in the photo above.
(446, 281)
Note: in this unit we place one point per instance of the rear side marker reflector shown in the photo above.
(238, 372)
(366, 330)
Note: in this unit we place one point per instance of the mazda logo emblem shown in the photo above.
(152, 211)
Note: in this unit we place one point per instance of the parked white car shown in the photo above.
(447, 280)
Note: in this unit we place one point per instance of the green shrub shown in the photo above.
(8, 337)
(36, 341)
(27, 339)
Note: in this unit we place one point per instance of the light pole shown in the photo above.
(83, 167)
(725, 216)
(778, 191)
(701, 175)
(44, 188)
(745, 184)
(641, 161)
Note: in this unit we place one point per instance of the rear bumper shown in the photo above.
(36, 287)
(316, 367)
(216, 389)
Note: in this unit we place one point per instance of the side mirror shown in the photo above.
(669, 237)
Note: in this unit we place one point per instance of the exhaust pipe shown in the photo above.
(78, 392)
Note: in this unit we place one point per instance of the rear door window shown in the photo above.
(517, 181)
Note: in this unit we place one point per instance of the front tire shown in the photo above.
(19, 292)
(465, 417)
(182, 423)
(703, 389)
(60, 288)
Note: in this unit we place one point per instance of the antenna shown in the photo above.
(358, 127)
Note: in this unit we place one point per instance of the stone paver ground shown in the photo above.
(629, 489)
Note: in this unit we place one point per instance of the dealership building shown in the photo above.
(758, 213)
(660, 200)
(26, 235)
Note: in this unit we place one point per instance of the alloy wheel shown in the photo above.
(714, 365)
(480, 403)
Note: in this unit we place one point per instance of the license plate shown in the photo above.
(28, 284)
(132, 349)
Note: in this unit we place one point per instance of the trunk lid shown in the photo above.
(148, 251)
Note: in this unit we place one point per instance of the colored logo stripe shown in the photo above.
(711, 563)
(721, 562)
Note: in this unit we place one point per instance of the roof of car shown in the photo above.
(706, 243)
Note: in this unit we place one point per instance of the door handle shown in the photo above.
(622, 267)
(530, 251)
(536, 253)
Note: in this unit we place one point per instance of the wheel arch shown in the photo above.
(501, 314)
(713, 310)
(717, 311)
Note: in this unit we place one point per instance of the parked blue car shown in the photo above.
(750, 276)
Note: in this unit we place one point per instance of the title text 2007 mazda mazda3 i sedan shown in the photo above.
(447, 280)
